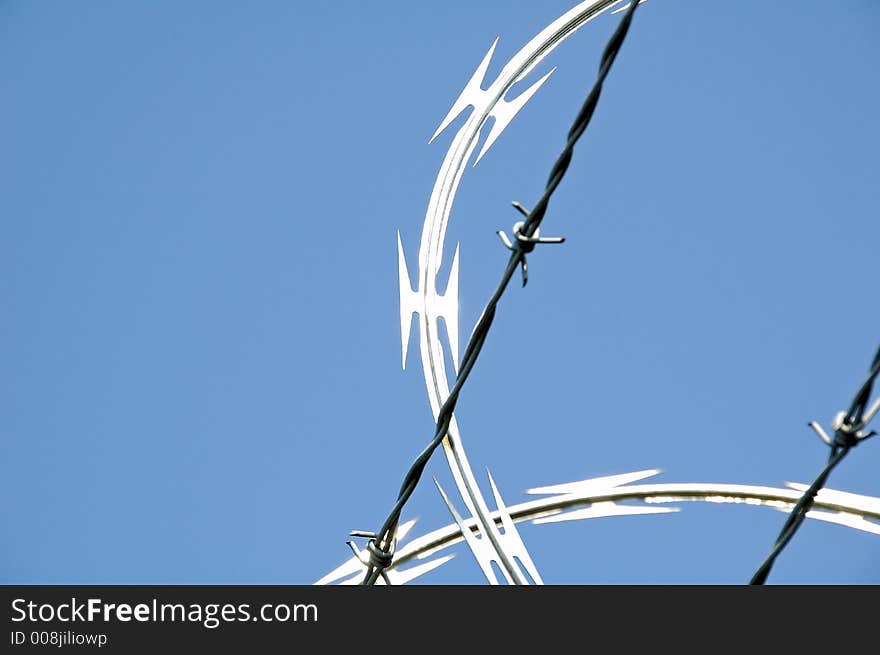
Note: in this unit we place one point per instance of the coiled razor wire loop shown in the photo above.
(849, 431)
(381, 544)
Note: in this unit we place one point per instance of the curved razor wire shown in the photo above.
(613, 496)
(489, 544)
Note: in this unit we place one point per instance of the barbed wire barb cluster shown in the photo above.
(380, 546)
(849, 431)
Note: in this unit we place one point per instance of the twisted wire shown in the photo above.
(847, 435)
(381, 544)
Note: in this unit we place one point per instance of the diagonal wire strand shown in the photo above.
(381, 545)
(847, 435)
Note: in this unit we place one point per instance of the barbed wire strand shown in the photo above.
(848, 433)
(381, 545)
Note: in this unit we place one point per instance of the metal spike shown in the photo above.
(470, 95)
(409, 300)
(514, 543)
(484, 555)
(822, 434)
(504, 112)
(594, 485)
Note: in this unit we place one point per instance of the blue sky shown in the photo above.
(201, 374)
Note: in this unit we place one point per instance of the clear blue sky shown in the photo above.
(200, 343)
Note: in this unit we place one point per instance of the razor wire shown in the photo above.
(849, 431)
(381, 545)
